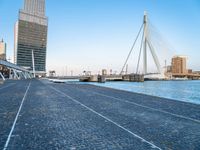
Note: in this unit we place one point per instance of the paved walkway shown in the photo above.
(39, 114)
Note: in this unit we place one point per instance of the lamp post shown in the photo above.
(33, 62)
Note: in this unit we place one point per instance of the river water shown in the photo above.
(188, 91)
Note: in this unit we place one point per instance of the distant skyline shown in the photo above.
(97, 34)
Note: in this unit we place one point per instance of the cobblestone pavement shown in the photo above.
(11, 94)
(76, 116)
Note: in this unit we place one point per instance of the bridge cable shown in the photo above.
(141, 45)
(132, 48)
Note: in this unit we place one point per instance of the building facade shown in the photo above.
(2, 50)
(31, 37)
(179, 65)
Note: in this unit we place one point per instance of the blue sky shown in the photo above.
(97, 34)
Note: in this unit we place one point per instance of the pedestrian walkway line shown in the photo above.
(11, 84)
(147, 107)
(154, 109)
(14, 123)
(106, 118)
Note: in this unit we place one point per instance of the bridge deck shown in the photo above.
(76, 116)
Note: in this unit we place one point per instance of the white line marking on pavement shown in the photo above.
(118, 125)
(154, 109)
(14, 123)
(7, 86)
(133, 103)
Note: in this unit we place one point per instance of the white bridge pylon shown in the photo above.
(146, 44)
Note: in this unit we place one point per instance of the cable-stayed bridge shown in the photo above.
(153, 45)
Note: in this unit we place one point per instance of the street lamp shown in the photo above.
(33, 62)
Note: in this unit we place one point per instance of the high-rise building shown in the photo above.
(2, 50)
(31, 36)
(179, 65)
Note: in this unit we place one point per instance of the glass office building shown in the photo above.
(31, 36)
